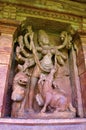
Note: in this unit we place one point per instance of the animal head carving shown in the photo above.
(66, 39)
(19, 86)
(63, 35)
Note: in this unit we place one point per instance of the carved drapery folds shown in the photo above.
(41, 86)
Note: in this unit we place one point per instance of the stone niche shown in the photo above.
(44, 80)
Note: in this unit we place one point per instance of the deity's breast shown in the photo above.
(47, 63)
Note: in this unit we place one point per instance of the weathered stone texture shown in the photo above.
(6, 49)
(83, 88)
(3, 85)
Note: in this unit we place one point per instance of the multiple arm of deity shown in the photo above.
(27, 51)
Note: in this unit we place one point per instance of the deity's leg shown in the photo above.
(31, 93)
(34, 79)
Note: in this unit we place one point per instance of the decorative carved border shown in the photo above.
(16, 11)
(21, 12)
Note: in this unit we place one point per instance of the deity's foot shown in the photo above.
(20, 114)
(30, 110)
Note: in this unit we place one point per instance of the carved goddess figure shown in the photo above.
(46, 63)
(43, 56)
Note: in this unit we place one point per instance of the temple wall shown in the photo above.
(11, 17)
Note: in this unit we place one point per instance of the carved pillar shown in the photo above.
(7, 32)
(82, 69)
(75, 83)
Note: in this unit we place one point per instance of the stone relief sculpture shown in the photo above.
(35, 91)
(19, 94)
(54, 98)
